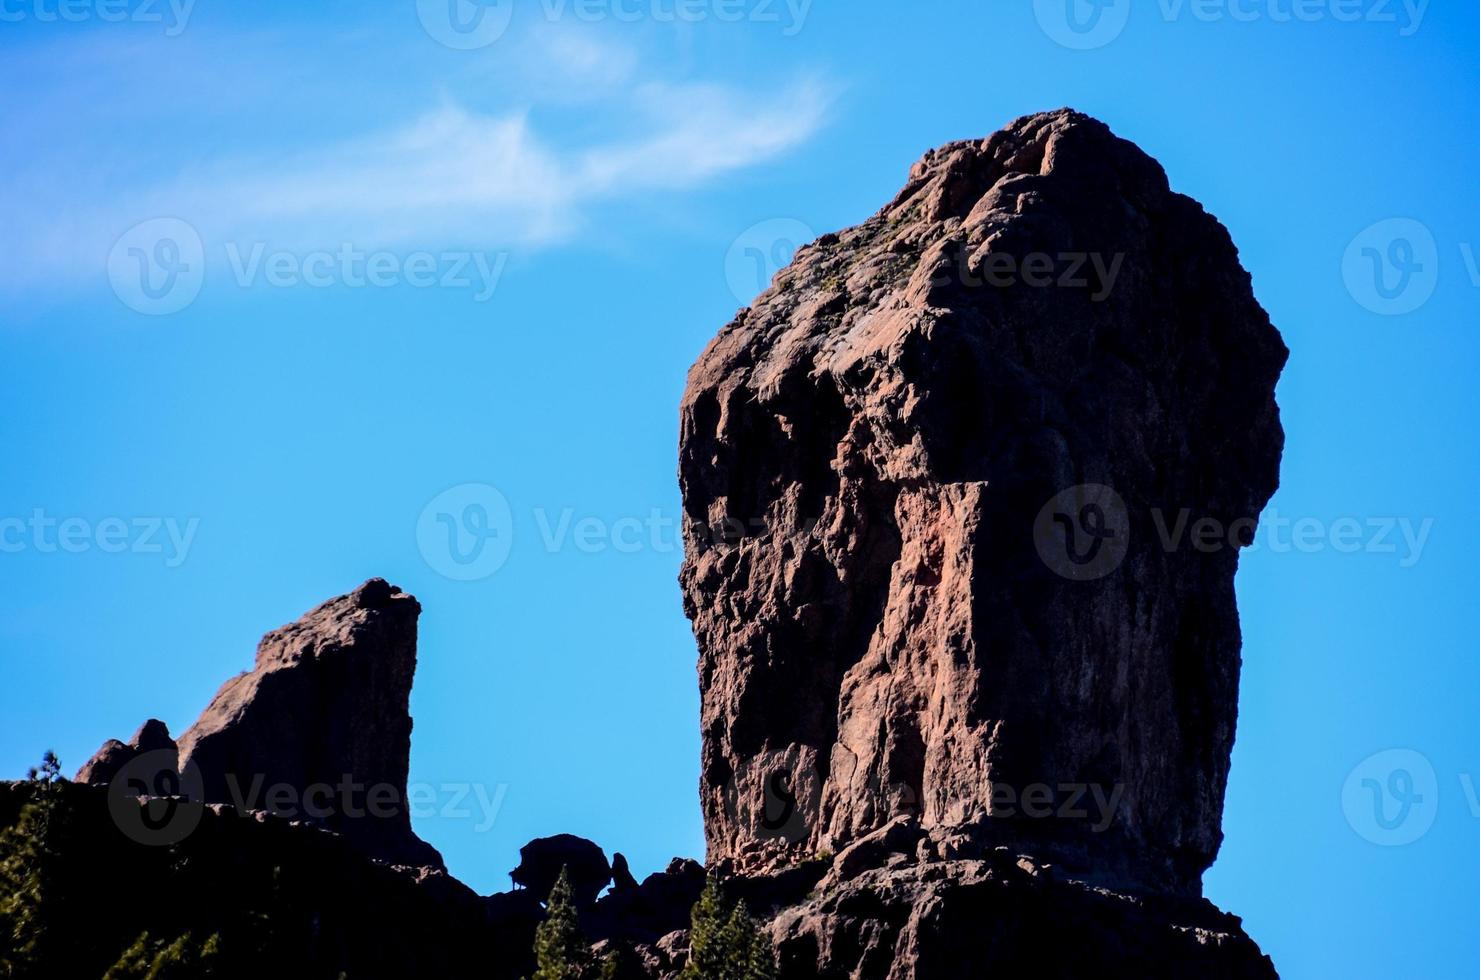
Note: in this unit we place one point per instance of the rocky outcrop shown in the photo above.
(1007, 915)
(622, 881)
(657, 907)
(543, 859)
(932, 482)
(153, 741)
(319, 730)
(324, 714)
(280, 898)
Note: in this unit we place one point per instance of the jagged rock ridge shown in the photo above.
(319, 729)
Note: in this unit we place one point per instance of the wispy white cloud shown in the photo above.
(709, 131)
(494, 179)
(447, 174)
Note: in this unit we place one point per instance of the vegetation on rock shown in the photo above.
(726, 943)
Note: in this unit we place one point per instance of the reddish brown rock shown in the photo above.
(1008, 916)
(891, 618)
(955, 724)
(152, 739)
(320, 728)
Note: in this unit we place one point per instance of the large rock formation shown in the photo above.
(964, 491)
(933, 480)
(325, 712)
(319, 729)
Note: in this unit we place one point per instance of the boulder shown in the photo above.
(542, 859)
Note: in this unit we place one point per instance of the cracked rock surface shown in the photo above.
(933, 482)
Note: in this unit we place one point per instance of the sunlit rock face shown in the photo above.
(938, 483)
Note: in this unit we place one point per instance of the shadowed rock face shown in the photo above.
(318, 730)
(1004, 916)
(152, 738)
(326, 706)
(897, 612)
(583, 861)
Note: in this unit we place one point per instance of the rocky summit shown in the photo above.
(964, 492)
(319, 729)
(931, 483)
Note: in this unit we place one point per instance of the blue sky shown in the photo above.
(420, 267)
